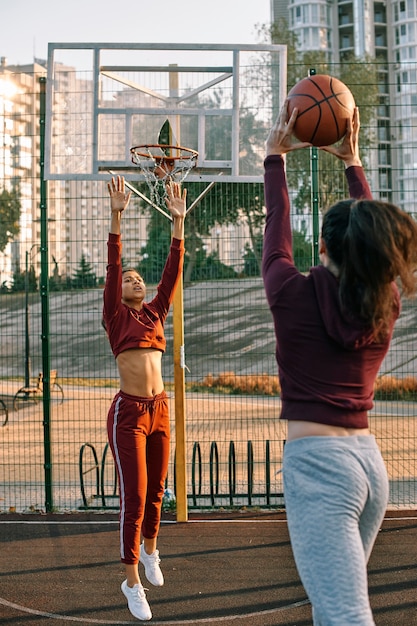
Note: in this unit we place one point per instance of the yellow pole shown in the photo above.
(179, 385)
(179, 372)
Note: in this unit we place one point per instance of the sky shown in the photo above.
(28, 26)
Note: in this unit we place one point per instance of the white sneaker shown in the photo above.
(136, 601)
(152, 570)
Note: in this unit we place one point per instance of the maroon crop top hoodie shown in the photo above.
(327, 365)
(126, 327)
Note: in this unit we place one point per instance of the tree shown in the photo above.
(251, 259)
(360, 74)
(19, 280)
(200, 266)
(56, 281)
(302, 253)
(216, 208)
(154, 253)
(9, 216)
(209, 267)
(213, 210)
(226, 203)
(84, 275)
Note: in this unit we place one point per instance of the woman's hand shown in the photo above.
(280, 138)
(176, 201)
(348, 150)
(118, 198)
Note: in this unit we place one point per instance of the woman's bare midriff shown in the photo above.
(140, 372)
(298, 429)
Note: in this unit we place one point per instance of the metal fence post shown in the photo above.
(314, 156)
(46, 361)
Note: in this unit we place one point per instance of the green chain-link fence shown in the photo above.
(53, 442)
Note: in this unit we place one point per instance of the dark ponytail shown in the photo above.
(372, 243)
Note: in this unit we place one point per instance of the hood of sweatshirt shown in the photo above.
(342, 328)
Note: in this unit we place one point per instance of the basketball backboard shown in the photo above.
(103, 99)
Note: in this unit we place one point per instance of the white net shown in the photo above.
(161, 165)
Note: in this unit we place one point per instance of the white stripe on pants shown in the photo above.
(336, 494)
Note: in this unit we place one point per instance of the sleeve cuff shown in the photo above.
(177, 243)
(273, 158)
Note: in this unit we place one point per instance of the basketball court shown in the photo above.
(226, 568)
(220, 568)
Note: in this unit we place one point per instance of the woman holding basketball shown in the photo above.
(333, 328)
(138, 420)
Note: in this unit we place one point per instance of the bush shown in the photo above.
(386, 387)
(390, 388)
(228, 382)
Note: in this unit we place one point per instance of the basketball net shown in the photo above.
(162, 164)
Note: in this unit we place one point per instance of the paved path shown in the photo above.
(210, 417)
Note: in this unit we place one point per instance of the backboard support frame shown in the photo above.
(171, 105)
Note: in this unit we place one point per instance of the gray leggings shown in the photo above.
(336, 494)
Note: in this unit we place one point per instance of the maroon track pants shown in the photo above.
(138, 432)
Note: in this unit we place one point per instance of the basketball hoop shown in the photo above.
(161, 164)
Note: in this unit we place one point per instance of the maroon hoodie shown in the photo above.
(127, 328)
(327, 363)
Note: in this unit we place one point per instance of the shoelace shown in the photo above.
(140, 591)
(153, 558)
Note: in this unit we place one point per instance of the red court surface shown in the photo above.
(227, 569)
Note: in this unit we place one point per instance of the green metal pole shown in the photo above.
(314, 158)
(46, 363)
(27, 339)
(314, 162)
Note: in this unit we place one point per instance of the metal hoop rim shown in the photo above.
(192, 153)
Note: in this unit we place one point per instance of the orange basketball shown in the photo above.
(324, 105)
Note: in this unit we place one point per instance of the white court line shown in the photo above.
(167, 522)
(205, 620)
(392, 519)
(163, 522)
(208, 620)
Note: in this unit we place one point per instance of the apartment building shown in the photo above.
(386, 30)
(78, 210)
(19, 145)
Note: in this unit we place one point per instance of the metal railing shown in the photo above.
(99, 493)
